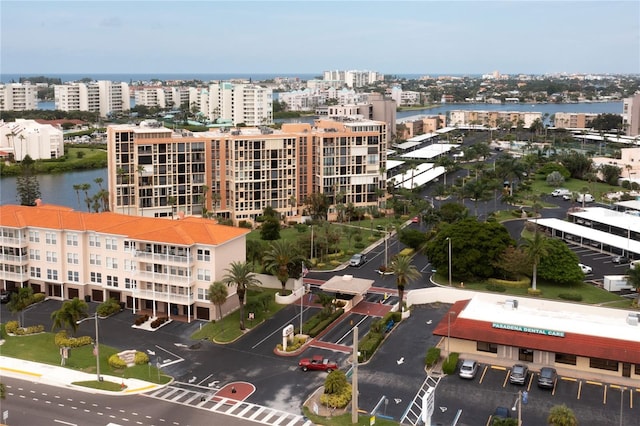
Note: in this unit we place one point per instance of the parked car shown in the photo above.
(559, 192)
(501, 413)
(5, 296)
(518, 374)
(468, 369)
(620, 259)
(585, 268)
(567, 197)
(415, 219)
(357, 259)
(587, 198)
(547, 377)
(317, 362)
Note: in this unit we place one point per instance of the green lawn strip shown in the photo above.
(41, 348)
(345, 419)
(104, 385)
(228, 329)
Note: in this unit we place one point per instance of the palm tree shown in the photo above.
(69, 314)
(20, 300)
(240, 275)
(561, 415)
(405, 273)
(218, 295)
(280, 259)
(535, 248)
(84, 187)
(78, 187)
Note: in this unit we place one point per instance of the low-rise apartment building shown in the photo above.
(572, 120)
(157, 265)
(28, 137)
(237, 173)
(459, 118)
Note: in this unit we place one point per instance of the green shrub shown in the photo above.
(38, 297)
(522, 283)
(141, 319)
(496, 287)
(109, 307)
(337, 400)
(116, 362)
(62, 340)
(359, 245)
(368, 345)
(141, 358)
(450, 363)
(576, 297)
(11, 327)
(323, 320)
(433, 355)
(33, 329)
(158, 322)
(534, 292)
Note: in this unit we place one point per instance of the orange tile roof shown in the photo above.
(187, 231)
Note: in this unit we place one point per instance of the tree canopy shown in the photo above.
(560, 264)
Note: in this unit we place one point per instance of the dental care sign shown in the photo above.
(523, 329)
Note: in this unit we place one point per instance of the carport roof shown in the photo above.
(347, 284)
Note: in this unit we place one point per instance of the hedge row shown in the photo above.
(141, 319)
(450, 363)
(324, 323)
(62, 340)
(140, 358)
(433, 355)
(158, 322)
(109, 307)
(523, 283)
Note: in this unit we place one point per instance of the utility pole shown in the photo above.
(354, 378)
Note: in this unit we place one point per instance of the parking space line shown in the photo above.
(506, 379)
(569, 379)
(589, 382)
(486, 367)
(498, 367)
(604, 396)
(579, 388)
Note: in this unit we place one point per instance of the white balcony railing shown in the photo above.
(163, 278)
(168, 258)
(6, 241)
(182, 299)
(14, 259)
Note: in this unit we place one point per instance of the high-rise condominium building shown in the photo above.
(237, 173)
(237, 103)
(631, 115)
(353, 78)
(104, 97)
(18, 97)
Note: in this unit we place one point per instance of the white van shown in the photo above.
(634, 264)
(558, 192)
(587, 198)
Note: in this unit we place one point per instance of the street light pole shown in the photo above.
(449, 333)
(518, 404)
(97, 347)
(449, 240)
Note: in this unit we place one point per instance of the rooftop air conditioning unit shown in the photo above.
(511, 304)
(632, 319)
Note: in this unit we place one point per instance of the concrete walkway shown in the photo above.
(66, 377)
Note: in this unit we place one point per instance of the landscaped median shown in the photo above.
(46, 348)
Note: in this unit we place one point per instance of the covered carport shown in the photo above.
(347, 288)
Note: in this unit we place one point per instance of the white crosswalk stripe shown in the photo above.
(205, 399)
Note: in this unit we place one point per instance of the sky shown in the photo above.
(391, 37)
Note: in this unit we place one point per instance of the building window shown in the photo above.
(603, 364)
(129, 283)
(636, 369)
(566, 359)
(204, 255)
(110, 244)
(112, 281)
(73, 276)
(204, 275)
(50, 238)
(96, 277)
(487, 347)
(94, 241)
(34, 254)
(203, 294)
(112, 263)
(52, 256)
(72, 258)
(72, 240)
(35, 272)
(34, 236)
(525, 355)
(52, 274)
(94, 259)
(129, 265)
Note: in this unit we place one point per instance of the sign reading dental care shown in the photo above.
(523, 329)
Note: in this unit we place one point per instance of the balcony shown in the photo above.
(164, 258)
(14, 276)
(13, 242)
(164, 278)
(182, 299)
(8, 258)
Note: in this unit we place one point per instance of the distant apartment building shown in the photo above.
(237, 173)
(405, 97)
(164, 267)
(151, 97)
(414, 126)
(631, 115)
(303, 100)
(237, 103)
(103, 97)
(28, 137)
(571, 120)
(18, 97)
(353, 78)
(459, 118)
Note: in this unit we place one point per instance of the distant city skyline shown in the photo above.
(411, 37)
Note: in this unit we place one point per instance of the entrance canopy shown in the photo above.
(347, 284)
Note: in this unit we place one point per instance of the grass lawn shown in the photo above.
(345, 419)
(590, 294)
(228, 329)
(41, 348)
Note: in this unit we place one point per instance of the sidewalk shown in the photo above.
(65, 377)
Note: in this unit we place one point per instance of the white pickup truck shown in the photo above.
(559, 192)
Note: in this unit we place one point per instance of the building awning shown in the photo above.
(347, 284)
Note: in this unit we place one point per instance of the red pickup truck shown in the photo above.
(317, 362)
